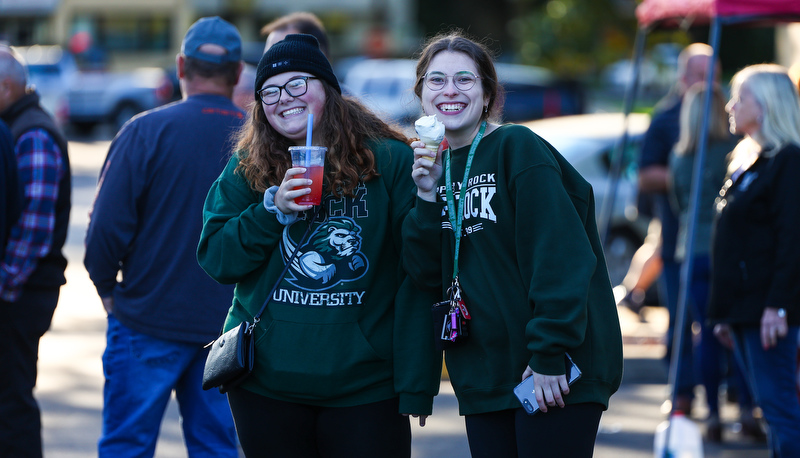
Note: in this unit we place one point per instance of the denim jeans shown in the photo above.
(141, 373)
(669, 284)
(711, 359)
(772, 376)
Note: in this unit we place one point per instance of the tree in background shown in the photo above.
(572, 37)
(578, 38)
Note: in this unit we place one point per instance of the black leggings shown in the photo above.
(268, 427)
(512, 433)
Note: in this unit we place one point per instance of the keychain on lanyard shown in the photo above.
(456, 323)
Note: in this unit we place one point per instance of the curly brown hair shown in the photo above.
(347, 125)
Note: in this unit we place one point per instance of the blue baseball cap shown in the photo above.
(215, 31)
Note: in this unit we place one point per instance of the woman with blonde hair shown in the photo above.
(755, 292)
(708, 351)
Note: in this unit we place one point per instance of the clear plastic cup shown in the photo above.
(313, 159)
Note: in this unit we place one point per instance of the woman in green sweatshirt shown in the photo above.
(528, 260)
(342, 351)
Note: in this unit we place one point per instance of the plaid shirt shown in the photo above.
(40, 171)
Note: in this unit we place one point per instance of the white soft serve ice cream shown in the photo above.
(431, 132)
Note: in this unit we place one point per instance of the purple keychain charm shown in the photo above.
(456, 326)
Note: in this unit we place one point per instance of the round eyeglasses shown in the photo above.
(463, 80)
(295, 87)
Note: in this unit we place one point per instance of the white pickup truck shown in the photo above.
(88, 97)
(98, 97)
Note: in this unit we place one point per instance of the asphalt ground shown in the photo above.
(70, 379)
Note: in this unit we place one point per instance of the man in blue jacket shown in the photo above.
(146, 224)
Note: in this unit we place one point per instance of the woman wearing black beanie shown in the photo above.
(343, 351)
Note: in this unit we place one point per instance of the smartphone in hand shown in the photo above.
(526, 394)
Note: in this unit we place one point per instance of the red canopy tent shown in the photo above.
(653, 14)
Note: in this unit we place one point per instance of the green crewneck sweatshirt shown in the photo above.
(531, 268)
(344, 327)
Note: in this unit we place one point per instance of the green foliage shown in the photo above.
(572, 37)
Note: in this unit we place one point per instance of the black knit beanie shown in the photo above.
(295, 53)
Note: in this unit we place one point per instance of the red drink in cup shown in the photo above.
(313, 159)
(314, 173)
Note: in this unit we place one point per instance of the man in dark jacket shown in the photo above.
(146, 222)
(10, 192)
(32, 269)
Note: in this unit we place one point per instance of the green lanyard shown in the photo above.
(457, 219)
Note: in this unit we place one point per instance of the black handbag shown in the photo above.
(232, 355)
(230, 358)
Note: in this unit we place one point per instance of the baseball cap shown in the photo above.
(216, 31)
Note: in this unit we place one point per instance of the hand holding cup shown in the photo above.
(312, 160)
(293, 186)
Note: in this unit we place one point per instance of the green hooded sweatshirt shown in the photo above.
(532, 271)
(344, 327)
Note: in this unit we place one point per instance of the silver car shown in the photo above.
(589, 142)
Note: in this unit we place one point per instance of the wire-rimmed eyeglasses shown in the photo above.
(295, 87)
(463, 80)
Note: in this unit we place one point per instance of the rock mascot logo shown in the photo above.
(331, 256)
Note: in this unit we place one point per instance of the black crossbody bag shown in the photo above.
(232, 355)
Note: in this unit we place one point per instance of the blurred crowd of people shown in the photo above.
(195, 220)
(725, 250)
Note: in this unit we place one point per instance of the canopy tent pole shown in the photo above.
(618, 156)
(694, 200)
(655, 13)
(694, 209)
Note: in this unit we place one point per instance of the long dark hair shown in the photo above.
(346, 126)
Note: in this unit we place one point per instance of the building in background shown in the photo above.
(126, 34)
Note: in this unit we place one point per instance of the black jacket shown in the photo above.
(756, 246)
(11, 199)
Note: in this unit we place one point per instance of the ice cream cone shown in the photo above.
(431, 132)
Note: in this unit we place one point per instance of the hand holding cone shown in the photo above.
(431, 132)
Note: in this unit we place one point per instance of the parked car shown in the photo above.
(589, 142)
(51, 71)
(387, 87)
(535, 93)
(97, 97)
